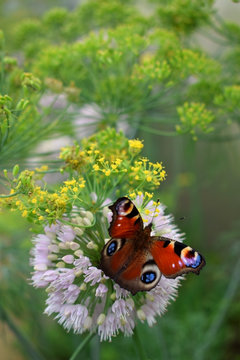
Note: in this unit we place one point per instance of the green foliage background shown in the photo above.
(144, 66)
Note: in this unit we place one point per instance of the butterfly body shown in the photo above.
(136, 260)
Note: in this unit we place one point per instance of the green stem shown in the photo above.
(9, 195)
(95, 349)
(162, 342)
(2, 53)
(158, 132)
(30, 350)
(57, 170)
(81, 345)
(138, 345)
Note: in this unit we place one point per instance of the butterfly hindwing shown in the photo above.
(142, 274)
(175, 258)
(126, 220)
(133, 271)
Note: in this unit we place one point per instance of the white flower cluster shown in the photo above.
(81, 296)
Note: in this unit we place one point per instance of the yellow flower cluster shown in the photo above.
(194, 119)
(74, 157)
(109, 143)
(151, 69)
(229, 99)
(108, 155)
(135, 145)
(25, 182)
(88, 161)
(188, 62)
(41, 205)
(105, 165)
(104, 151)
(43, 168)
(146, 197)
(73, 187)
(144, 171)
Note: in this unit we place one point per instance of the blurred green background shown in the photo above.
(202, 187)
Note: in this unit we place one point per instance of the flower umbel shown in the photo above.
(84, 299)
(105, 164)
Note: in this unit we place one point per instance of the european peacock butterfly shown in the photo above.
(135, 260)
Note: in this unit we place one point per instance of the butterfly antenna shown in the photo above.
(182, 218)
(156, 227)
(167, 222)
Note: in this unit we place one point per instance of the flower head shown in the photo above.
(80, 295)
(195, 118)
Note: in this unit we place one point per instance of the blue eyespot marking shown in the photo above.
(112, 248)
(197, 261)
(148, 277)
(192, 261)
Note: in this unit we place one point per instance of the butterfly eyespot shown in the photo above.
(193, 262)
(112, 248)
(148, 277)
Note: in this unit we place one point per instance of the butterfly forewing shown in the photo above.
(126, 220)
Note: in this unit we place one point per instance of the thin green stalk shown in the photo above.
(81, 346)
(2, 53)
(5, 137)
(138, 345)
(95, 349)
(9, 195)
(26, 344)
(214, 39)
(163, 119)
(57, 170)
(158, 132)
(161, 339)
